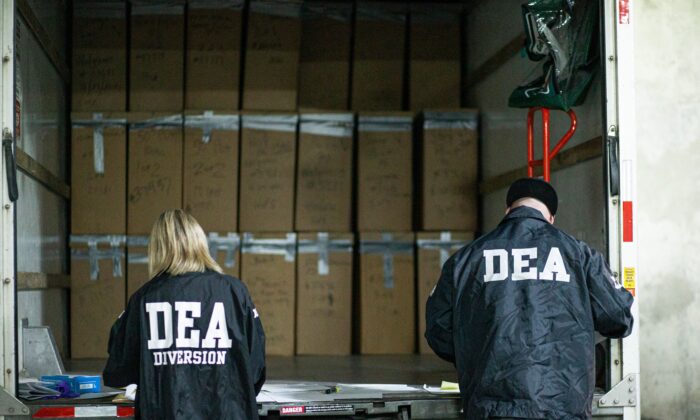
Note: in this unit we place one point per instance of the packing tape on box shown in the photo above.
(387, 247)
(209, 122)
(168, 122)
(341, 12)
(102, 9)
(382, 11)
(282, 8)
(286, 123)
(137, 257)
(384, 123)
(93, 254)
(323, 246)
(157, 7)
(450, 120)
(286, 247)
(98, 124)
(332, 125)
(446, 245)
(230, 244)
(215, 4)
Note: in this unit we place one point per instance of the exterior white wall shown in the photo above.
(667, 62)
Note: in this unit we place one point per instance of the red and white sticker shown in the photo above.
(297, 409)
(77, 412)
(624, 11)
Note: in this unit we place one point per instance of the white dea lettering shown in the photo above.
(160, 320)
(523, 269)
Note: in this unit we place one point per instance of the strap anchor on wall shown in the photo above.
(547, 155)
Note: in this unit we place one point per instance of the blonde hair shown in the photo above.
(178, 245)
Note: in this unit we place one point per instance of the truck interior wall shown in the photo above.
(489, 27)
(42, 215)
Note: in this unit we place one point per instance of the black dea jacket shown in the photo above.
(194, 345)
(516, 312)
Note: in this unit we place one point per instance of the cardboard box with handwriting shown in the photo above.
(99, 56)
(268, 150)
(157, 56)
(450, 170)
(98, 173)
(268, 262)
(272, 56)
(324, 293)
(324, 173)
(155, 168)
(213, 54)
(385, 172)
(210, 190)
(387, 293)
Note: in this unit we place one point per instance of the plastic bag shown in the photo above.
(564, 35)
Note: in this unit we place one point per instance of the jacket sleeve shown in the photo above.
(610, 303)
(124, 349)
(256, 343)
(438, 315)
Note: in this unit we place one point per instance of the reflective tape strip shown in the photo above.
(230, 244)
(93, 254)
(384, 123)
(98, 124)
(323, 246)
(169, 122)
(286, 247)
(387, 247)
(286, 123)
(137, 257)
(450, 120)
(209, 122)
(84, 411)
(445, 245)
(333, 125)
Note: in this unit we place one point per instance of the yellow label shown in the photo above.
(630, 280)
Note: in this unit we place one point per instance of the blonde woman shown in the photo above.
(190, 337)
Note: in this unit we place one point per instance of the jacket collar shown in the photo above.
(524, 212)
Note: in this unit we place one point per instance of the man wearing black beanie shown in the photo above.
(516, 311)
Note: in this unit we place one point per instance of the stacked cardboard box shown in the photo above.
(154, 179)
(324, 173)
(268, 153)
(324, 293)
(213, 54)
(272, 56)
(324, 59)
(434, 248)
(387, 293)
(378, 62)
(435, 59)
(385, 172)
(450, 170)
(157, 55)
(268, 269)
(98, 188)
(210, 191)
(99, 56)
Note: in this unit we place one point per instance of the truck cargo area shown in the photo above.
(124, 110)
